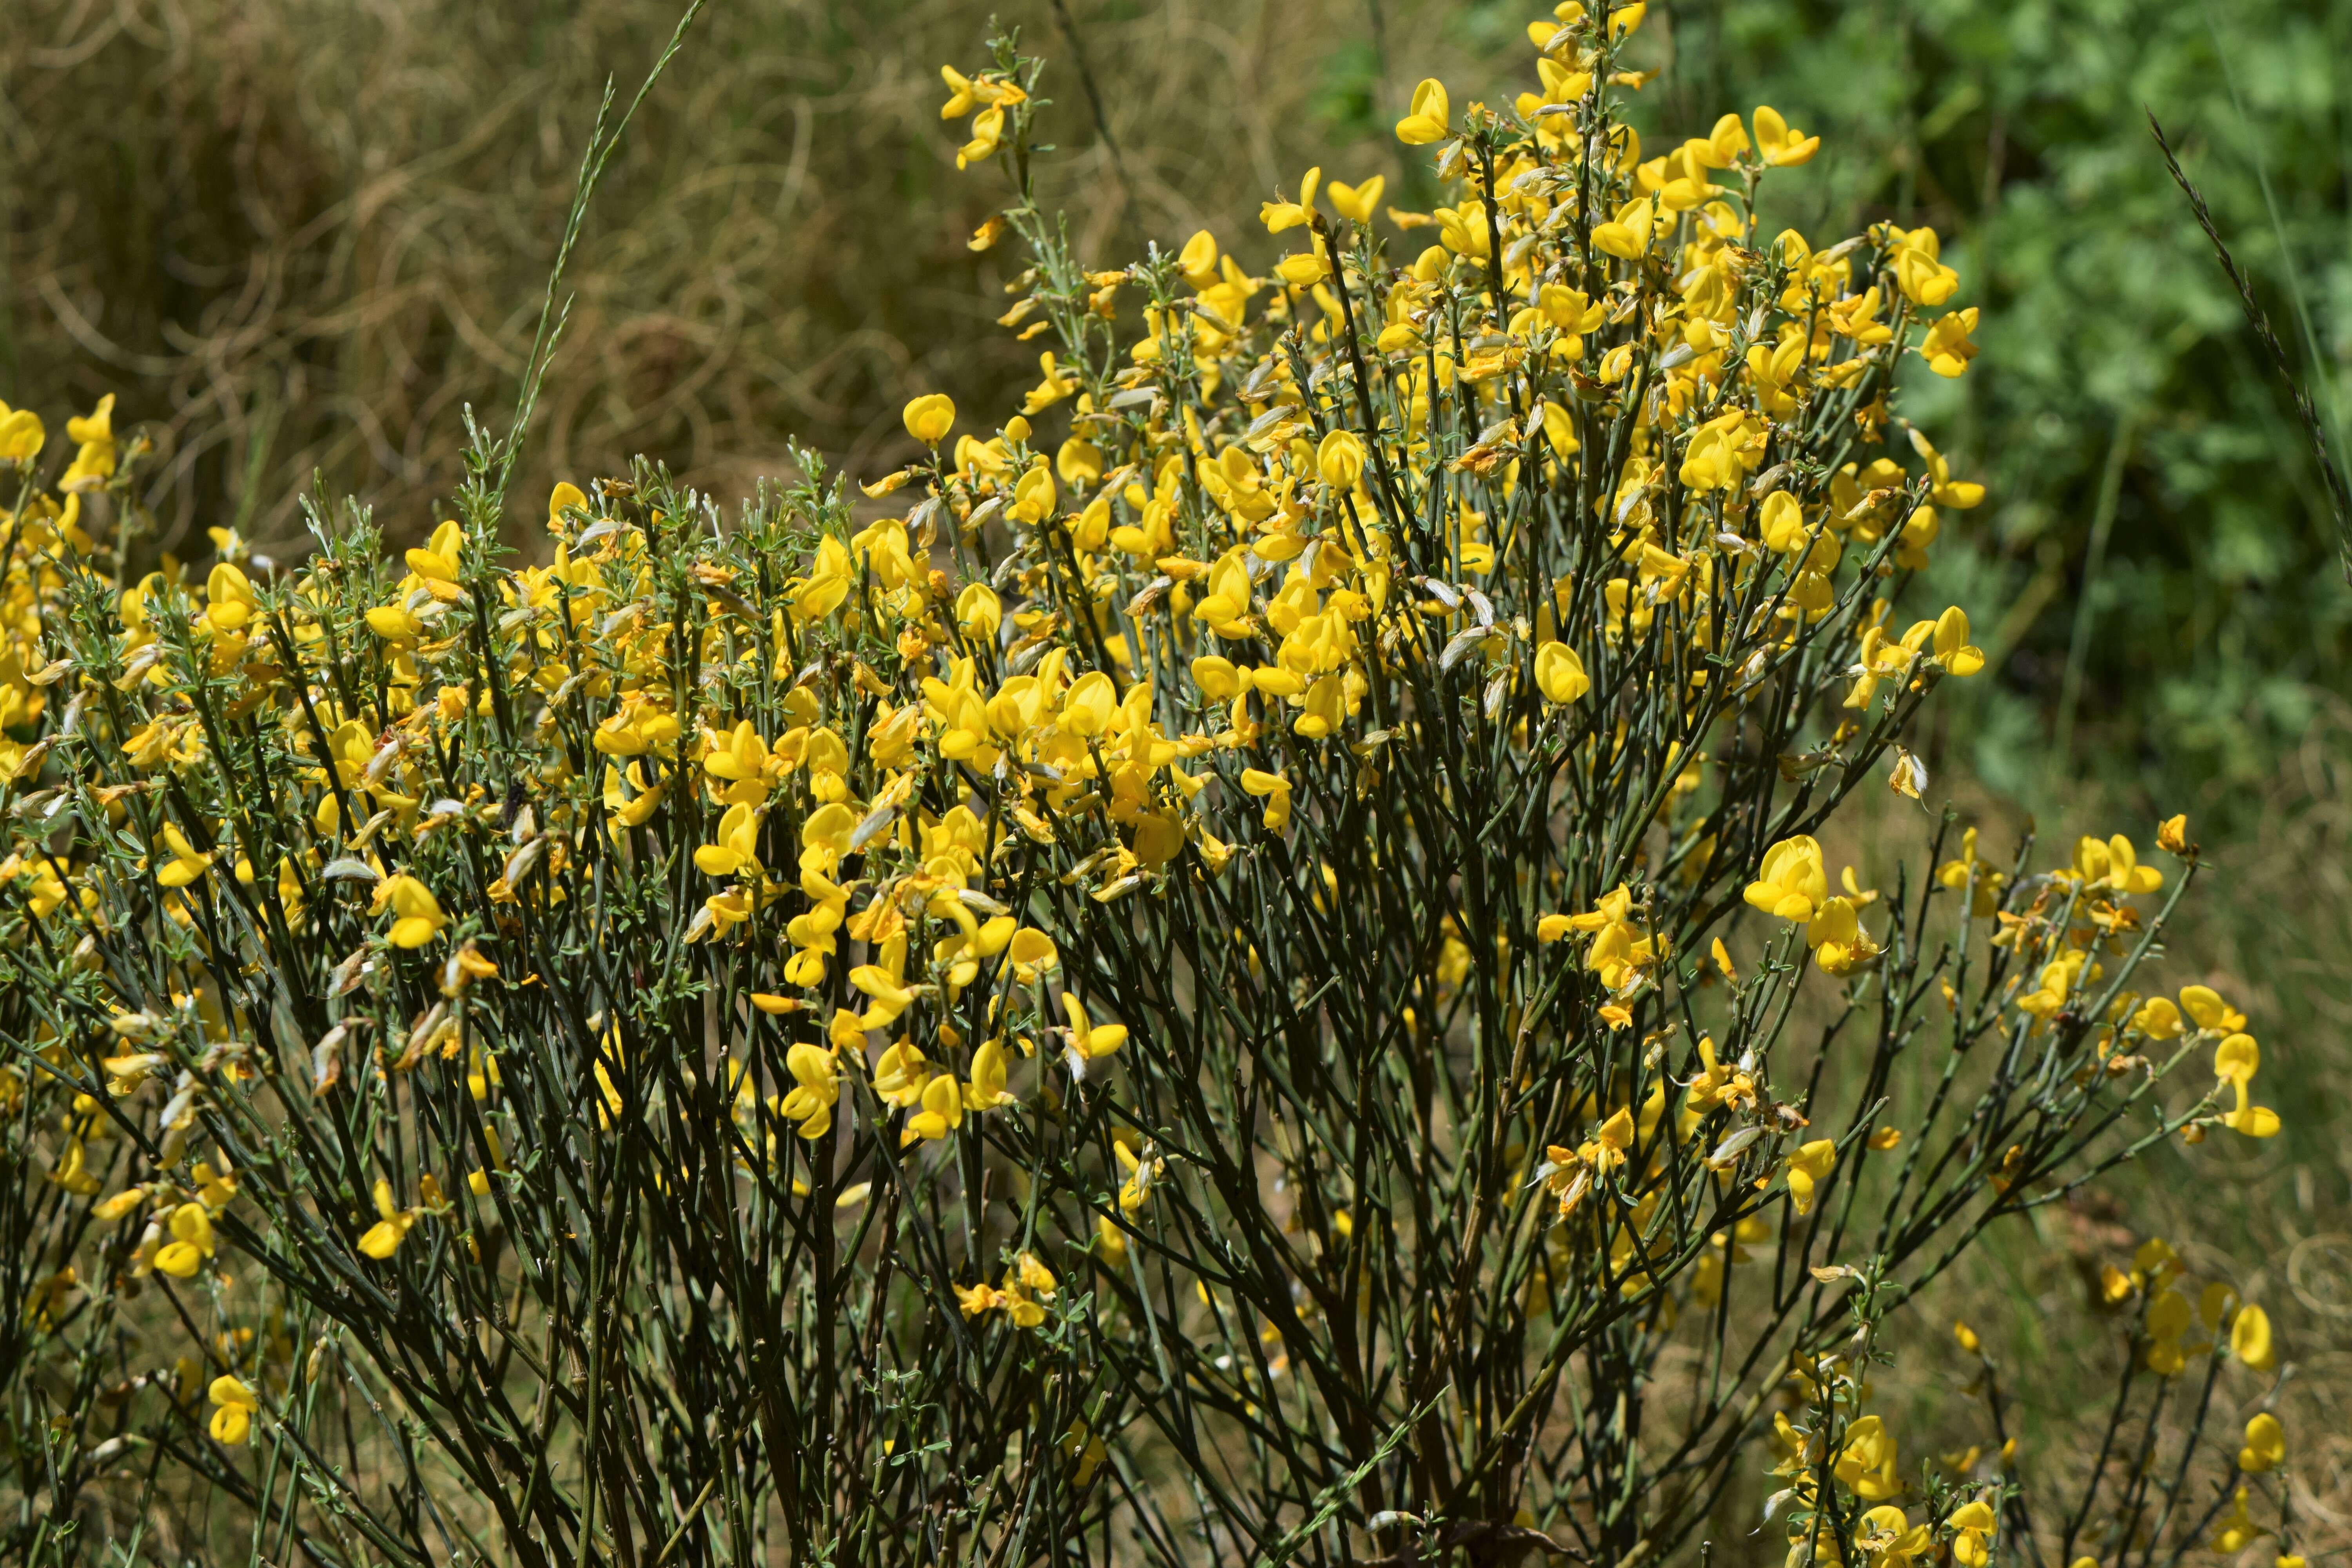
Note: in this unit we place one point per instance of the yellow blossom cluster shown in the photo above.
(1244, 847)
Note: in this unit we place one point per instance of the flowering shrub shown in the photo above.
(1252, 977)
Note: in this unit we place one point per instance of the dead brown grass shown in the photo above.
(298, 238)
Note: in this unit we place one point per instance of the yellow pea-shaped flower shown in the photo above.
(1431, 115)
(1792, 883)
(1560, 674)
(979, 611)
(2265, 1446)
(233, 1420)
(1341, 460)
(562, 498)
(930, 417)
(22, 434)
(2250, 1338)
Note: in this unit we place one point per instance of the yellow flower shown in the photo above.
(941, 1114)
(2237, 1058)
(1088, 1038)
(1951, 644)
(1357, 203)
(1626, 235)
(70, 1172)
(232, 1422)
(900, 1074)
(1612, 1143)
(1559, 425)
(1972, 1525)
(192, 1230)
(22, 434)
(186, 865)
(393, 1225)
(889, 994)
(979, 611)
(1278, 216)
(1890, 1538)
(418, 917)
(1947, 348)
(1303, 271)
(1018, 1306)
(228, 598)
(1341, 460)
(1143, 1175)
(962, 93)
(1274, 790)
(1906, 775)
(2265, 1446)
(1793, 884)
(1430, 116)
(1867, 1462)
(1031, 952)
(736, 846)
(2236, 1532)
(1056, 384)
(1032, 496)
(930, 417)
(1087, 706)
(95, 461)
(814, 1088)
(987, 131)
(1922, 277)
(1560, 674)
(2250, 1338)
(1079, 463)
(2253, 1120)
(1840, 944)
(437, 565)
(2205, 1007)
(563, 499)
(1198, 260)
(1807, 1168)
(2115, 865)
(394, 622)
(1780, 142)
(985, 1091)
(1711, 462)
(819, 592)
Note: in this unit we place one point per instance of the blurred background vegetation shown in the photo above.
(296, 237)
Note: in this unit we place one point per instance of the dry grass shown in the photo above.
(300, 238)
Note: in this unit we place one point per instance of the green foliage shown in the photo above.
(2216, 623)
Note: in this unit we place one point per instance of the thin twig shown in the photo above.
(592, 170)
(2103, 522)
(1094, 94)
(2340, 497)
